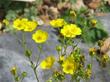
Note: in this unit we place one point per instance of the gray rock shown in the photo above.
(106, 22)
(99, 74)
(8, 58)
(12, 53)
(9, 41)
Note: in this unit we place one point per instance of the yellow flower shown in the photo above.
(30, 26)
(6, 22)
(13, 70)
(17, 24)
(47, 63)
(70, 30)
(40, 36)
(24, 24)
(57, 23)
(69, 66)
(93, 22)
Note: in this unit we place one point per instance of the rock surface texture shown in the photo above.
(7, 60)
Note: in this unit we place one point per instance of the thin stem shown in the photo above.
(38, 58)
(24, 42)
(34, 70)
(22, 79)
(75, 46)
(15, 78)
(91, 60)
(65, 48)
(65, 45)
(19, 41)
(61, 52)
(36, 75)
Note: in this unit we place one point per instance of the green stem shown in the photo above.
(38, 58)
(36, 75)
(32, 64)
(24, 42)
(65, 45)
(65, 48)
(22, 79)
(91, 61)
(34, 70)
(17, 39)
(58, 53)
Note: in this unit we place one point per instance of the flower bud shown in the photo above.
(13, 70)
(93, 22)
(58, 48)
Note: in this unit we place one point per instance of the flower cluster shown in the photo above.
(70, 30)
(24, 24)
(72, 63)
(68, 64)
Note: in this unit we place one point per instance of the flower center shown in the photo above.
(69, 67)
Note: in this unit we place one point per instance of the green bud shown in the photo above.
(89, 66)
(49, 80)
(13, 70)
(100, 43)
(28, 53)
(17, 78)
(24, 74)
(58, 48)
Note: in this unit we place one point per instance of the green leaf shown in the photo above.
(11, 15)
(93, 35)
